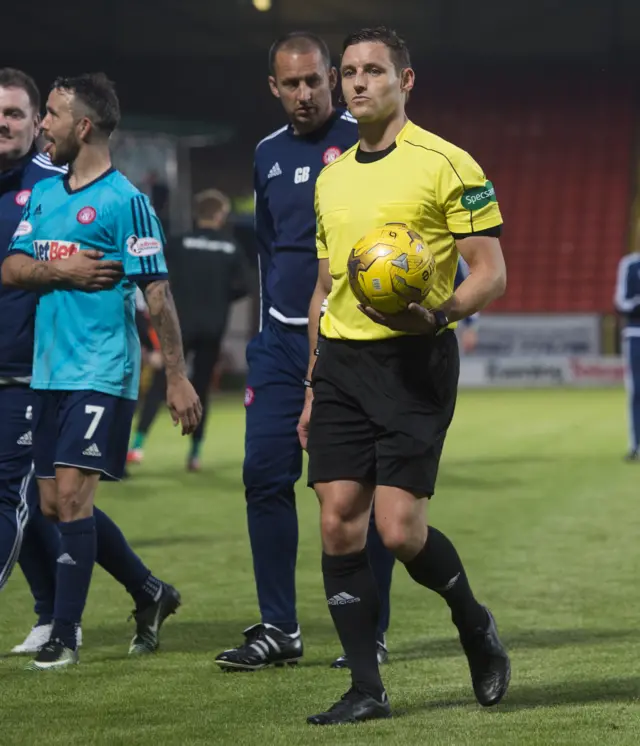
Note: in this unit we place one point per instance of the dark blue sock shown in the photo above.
(40, 549)
(121, 562)
(196, 447)
(381, 561)
(73, 577)
(273, 530)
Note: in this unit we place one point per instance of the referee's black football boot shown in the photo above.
(383, 655)
(632, 456)
(353, 707)
(149, 620)
(489, 663)
(264, 645)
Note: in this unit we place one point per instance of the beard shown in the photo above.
(64, 152)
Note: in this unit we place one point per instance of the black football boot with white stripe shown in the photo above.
(264, 645)
(150, 618)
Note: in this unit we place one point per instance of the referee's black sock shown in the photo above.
(352, 596)
(438, 567)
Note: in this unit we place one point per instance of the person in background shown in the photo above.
(627, 303)
(26, 536)
(286, 166)
(208, 271)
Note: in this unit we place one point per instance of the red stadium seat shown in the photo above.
(559, 153)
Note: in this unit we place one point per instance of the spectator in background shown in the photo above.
(208, 273)
(627, 302)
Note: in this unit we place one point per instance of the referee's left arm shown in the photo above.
(487, 279)
(473, 217)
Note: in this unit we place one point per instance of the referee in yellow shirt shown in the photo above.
(382, 389)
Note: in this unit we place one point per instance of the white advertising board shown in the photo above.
(549, 371)
(525, 335)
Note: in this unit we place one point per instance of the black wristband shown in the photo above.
(442, 320)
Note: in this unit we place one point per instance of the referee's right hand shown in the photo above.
(303, 422)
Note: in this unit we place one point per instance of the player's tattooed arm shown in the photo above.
(20, 270)
(84, 270)
(182, 400)
(164, 318)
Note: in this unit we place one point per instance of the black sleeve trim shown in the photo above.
(143, 280)
(494, 232)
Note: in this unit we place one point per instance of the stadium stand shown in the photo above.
(561, 155)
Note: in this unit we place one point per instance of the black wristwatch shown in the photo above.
(442, 320)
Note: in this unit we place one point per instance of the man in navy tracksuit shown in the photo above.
(627, 302)
(286, 166)
(24, 532)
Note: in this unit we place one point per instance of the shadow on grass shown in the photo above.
(211, 637)
(226, 477)
(530, 639)
(192, 636)
(558, 693)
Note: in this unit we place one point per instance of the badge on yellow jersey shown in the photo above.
(478, 197)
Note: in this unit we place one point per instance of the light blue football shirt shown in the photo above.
(88, 341)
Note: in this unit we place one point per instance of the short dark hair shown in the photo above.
(397, 47)
(302, 42)
(12, 78)
(98, 94)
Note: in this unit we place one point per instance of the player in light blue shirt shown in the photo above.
(89, 341)
(87, 352)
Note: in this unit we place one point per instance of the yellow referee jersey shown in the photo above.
(434, 187)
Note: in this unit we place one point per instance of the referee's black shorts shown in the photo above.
(381, 410)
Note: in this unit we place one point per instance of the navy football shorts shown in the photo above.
(85, 429)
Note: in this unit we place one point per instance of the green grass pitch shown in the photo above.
(544, 513)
